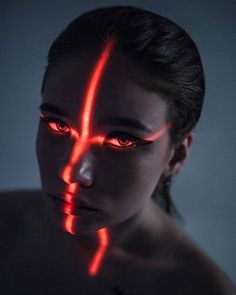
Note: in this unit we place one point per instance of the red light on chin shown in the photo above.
(97, 260)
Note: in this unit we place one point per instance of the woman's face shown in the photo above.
(95, 168)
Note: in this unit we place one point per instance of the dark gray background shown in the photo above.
(205, 191)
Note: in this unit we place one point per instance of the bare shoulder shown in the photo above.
(16, 200)
(179, 265)
(19, 195)
(19, 207)
(168, 263)
(197, 272)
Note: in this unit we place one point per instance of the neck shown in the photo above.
(127, 235)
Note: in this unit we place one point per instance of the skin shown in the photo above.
(116, 182)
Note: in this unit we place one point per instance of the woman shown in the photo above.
(121, 94)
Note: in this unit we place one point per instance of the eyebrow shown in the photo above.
(126, 122)
(49, 107)
(114, 121)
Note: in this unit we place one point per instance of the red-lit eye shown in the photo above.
(121, 140)
(56, 125)
(59, 127)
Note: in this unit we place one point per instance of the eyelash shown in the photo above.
(114, 135)
(117, 135)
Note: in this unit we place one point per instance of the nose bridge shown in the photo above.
(78, 165)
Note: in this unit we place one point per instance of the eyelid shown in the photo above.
(123, 133)
(47, 120)
(136, 140)
(117, 133)
(114, 134)
(52, 118)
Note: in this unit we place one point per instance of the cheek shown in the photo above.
(130, 178)
(49, 156)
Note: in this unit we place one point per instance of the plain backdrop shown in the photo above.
(205, 191)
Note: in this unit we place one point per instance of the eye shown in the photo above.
(123, 141)
(55, 125)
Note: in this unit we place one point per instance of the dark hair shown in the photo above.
(164, 52)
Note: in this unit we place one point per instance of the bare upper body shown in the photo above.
(36, 258)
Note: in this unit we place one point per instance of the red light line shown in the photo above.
(69, 223)
(81, 144)
(103, 238)
(159, 133)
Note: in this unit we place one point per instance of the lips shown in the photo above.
(78, 208)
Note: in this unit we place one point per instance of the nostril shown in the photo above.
(86, 172)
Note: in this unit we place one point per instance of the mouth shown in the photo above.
(79, 208)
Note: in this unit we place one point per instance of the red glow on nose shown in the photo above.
(103, 239)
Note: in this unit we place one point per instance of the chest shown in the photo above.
(38, 269)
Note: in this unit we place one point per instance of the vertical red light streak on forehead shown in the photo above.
(82, 143)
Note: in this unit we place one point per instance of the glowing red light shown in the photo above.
(81, 144)
(103, 239)
(69, 223)
(159, 133)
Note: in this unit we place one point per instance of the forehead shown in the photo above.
(118, 94)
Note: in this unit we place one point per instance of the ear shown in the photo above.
(178, 156)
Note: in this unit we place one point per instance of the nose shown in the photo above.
(80, 171)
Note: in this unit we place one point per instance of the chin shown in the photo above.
(76, 225)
